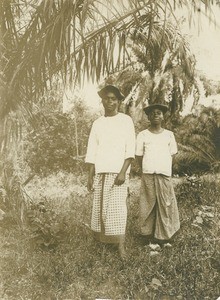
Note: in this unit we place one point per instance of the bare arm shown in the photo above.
(139, 160)
(120, 179)
(91, 173)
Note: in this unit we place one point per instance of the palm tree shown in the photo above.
(68, 39)
(72, 38)
(162, 70)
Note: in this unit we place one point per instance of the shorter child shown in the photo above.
(155, 146)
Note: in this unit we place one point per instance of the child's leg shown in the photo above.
(121, 248)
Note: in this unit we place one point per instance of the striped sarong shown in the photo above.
(159, 214)
(109, 212)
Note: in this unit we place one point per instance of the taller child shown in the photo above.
(111, 148)
(159, 216)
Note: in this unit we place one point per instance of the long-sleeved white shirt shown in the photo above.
(157, 150)
(111, 141)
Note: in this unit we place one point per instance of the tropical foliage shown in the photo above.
(76, 39)
(211, 87)
(46, 44)
(58, 141)
(198, 140)
(163, 70)
(65, 41)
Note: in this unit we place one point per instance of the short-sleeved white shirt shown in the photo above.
(111, 141)
(157, 150)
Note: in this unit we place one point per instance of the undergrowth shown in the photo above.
(55, 257)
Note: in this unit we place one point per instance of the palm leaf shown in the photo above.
(41, 38)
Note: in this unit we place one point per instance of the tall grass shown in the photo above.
(74, 266)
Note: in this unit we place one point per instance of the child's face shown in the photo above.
(110, 102)
(155, 116)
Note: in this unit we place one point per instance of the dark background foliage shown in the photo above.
(198, 140)
(59, 140)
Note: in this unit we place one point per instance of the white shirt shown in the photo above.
(157, 150)
(111, 141)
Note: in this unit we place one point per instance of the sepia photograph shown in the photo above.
(109, 149)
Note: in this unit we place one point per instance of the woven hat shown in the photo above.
(164, 108)
(112, 89)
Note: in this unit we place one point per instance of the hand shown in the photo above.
(120, 179)
(90, 184)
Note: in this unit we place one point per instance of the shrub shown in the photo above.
(58, 141)
(198, 143)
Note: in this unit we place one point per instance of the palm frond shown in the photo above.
(77, 39)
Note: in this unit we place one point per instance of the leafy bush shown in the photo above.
(47, 227)
(59, 141)
(198, 143)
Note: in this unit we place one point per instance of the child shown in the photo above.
(155, 146)
(111, 148)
